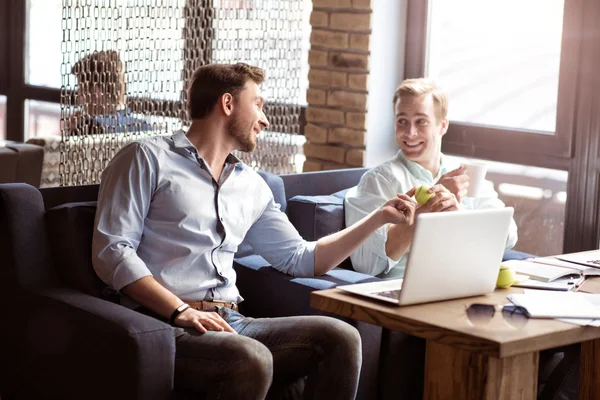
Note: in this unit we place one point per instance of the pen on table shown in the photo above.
(578, 284)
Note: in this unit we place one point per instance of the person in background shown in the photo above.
(100, 96)
(172, 212)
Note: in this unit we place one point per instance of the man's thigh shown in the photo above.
(297, 343)
(203, 359)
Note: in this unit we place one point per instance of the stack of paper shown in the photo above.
(549, 304)
(539, 271)
(593, 299)
(589, 258)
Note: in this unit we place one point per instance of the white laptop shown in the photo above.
(453, 254)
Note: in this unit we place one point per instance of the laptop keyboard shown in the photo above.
(392, 294)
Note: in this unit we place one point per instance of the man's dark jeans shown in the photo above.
(269, 355)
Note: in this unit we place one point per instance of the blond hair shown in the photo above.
(423, 86)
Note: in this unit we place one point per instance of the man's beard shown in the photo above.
(236, 129)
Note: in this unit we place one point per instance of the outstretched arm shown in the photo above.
(333, 249)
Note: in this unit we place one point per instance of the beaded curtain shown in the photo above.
(126, 64)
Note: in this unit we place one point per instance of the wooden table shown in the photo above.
(463, 361)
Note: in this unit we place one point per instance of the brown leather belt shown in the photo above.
(205, 305)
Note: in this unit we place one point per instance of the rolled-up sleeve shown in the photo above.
(123, 202)
(372, 191)
(275, 238)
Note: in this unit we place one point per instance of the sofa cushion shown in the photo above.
(70, 229)
(317, 216)
(288, 295)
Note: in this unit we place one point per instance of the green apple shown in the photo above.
(506, 277)
(421, 194)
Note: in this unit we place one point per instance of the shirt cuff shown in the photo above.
(128, 271)
(305, 267)
(379, 239)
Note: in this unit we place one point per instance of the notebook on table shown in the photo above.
(453, 254)
(547, 304)
(551, 273)
(543, 272)
(589, 258)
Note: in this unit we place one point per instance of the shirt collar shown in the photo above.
(181, 141)
(418, 171)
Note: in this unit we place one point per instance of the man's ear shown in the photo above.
(444, 127)
(227, 103)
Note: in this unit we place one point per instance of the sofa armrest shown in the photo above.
(65, 344)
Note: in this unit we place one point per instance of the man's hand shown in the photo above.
(400, 210)
(442, 200)
(456, 182)
(203, 321)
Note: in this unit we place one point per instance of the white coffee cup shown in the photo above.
(476, 172)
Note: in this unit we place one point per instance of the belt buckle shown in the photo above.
(226, 304)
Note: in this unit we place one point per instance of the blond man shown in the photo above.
(421, 111)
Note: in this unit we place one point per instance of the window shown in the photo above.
(247, 33)
(43, 55)
(522, 82)
(499, 61)
(538, 196)
(43, 119)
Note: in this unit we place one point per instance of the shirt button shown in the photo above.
(221, 219)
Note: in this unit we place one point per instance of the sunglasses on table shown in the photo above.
(481, 314)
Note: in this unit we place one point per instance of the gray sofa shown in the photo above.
(65, 336)
(63, 333)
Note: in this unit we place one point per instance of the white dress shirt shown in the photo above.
(382, 183)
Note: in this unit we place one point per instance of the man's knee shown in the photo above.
(340, 336)
(255, 360)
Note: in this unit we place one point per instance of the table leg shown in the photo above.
(452, 373)
(589, 370)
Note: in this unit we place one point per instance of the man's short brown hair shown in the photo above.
(212, 81)
(422, 86)
(104, 68)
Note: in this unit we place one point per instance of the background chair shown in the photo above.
(20, 162)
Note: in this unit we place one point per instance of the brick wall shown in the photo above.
(337, 93)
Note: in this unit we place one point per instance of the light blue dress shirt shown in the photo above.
(161, 213)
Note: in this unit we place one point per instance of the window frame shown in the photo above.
(497, 143)
(4, 34)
